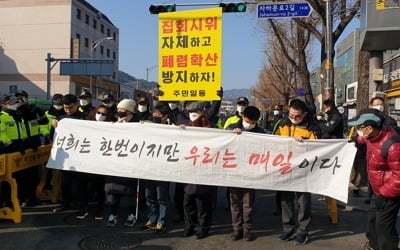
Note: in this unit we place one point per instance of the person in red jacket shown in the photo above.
(384, 175)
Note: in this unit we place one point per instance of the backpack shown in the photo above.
(386, 145)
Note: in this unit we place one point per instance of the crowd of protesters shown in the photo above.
(26, 126)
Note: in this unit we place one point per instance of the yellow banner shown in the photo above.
(190, 54)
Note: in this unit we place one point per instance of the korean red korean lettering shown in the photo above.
(181, 25)
(182, 61)
(228, 158)
(167, 27)
(211, 23)
(211, 59)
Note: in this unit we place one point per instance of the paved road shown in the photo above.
(43, 229)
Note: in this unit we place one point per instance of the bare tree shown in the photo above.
(363, 80)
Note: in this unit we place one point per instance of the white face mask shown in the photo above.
(275, 112)
(360, 133)
(172, 106)
(295, 122)
(58, 107)
(248, 126)
(193, 116)
(240, 109)
(83, 102)
(319, 117)
(100, 117)
(108, 105)
(142, 108)
(379, 107)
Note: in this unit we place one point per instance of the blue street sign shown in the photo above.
(284, 10)
(301, 92)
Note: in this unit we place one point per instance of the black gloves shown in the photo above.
(220, 92)
(380, 202)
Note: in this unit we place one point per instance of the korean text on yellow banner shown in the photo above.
(190, 54)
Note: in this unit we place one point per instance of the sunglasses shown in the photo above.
(100, 113)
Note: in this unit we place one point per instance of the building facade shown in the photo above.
(30, 29)
(391, 81)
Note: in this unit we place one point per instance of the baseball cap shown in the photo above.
(57, 99)
(242, 100)
(368, 117)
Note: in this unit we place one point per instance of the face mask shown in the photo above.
(194, 116)
(360, 133)
(58, 107)
(275, 112)
(142, 108)
(295, 122)
(100, 117)
(121, 114)
(240, 109)
(378, 107)
(108, 105)
(172, 106)
(319, 117)
(156, 119)
(83, 102)
(248, 126)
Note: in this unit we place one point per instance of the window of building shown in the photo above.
(114, 36)
(78, 14)
(86, 42)
(108, 32)
(108, 52)
(78, 35)
(94, 23)
(114, 55)
(101, 49)
(87, 19)
(102, 28)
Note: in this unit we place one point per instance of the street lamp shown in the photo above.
(147, 71)
(328, 67)
(92, 48)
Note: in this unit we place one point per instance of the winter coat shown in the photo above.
(384, 174)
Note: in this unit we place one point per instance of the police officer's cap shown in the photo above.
(9, 100)
(242, 100)
(57, 99)
(21, 93)
(108, 97)
(85, 94)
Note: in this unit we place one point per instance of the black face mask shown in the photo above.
(156, 119)
(121, 114)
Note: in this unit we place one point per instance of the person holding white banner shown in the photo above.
(197, 200)
(118, 188)
(298, 125)
(157, 192)
(242, 199)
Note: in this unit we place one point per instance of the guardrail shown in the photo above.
(14, 162)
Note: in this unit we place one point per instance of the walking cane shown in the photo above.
(137, 199)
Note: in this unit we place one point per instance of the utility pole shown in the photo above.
(328, 67)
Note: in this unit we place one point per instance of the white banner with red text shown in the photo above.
(203, 156)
